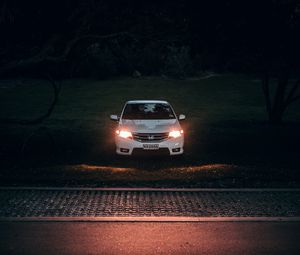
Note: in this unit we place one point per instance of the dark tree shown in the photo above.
(280, 58)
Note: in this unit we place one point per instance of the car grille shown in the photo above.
(150, 137)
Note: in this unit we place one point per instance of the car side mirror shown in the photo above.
(181, 117)
(114, 117)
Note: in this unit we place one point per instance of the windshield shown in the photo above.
(148, 111)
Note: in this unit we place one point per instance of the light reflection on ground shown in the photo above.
(112, 173)
(211, 167)
(159, 175)
(86, 167)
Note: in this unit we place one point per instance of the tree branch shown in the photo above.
(56, 90)
(290, 97)
(43, 55)
(293, 99)
(278, 100)
(70, 45)
(36, 59)
(266, 90)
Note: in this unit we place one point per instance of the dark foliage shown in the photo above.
(99, 38)
(108, 38)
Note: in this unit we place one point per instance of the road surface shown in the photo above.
(77, 238)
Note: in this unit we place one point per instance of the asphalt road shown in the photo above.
(149, 238)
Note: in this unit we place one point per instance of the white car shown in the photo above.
(146, 126)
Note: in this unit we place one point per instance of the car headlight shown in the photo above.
(124, 133)
(176, 133)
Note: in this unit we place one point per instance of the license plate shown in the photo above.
(150, 146)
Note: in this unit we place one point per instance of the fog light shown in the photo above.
(176, 150)
(124, 150)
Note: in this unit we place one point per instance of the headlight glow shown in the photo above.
(124, 134)
(175, 134)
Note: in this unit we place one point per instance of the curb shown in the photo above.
(150, 219)
(155, 189)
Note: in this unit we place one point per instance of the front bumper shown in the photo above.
(125, 146)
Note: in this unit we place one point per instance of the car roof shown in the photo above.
(147, 101)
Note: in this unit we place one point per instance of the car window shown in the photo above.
(141, 111)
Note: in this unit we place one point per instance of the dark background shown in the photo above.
(101, 39)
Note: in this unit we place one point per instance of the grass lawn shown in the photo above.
(228, 143)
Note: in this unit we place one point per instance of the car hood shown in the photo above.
(149, 126)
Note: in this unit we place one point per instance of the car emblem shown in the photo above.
(150, 137)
